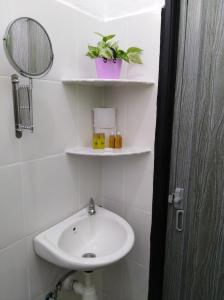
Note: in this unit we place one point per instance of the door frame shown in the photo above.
(163, 143)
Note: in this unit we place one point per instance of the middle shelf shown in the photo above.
(126, 151)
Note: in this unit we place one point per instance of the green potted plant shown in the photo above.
(108, 56)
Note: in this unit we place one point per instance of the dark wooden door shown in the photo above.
(194, 267)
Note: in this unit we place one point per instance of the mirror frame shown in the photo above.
(12, 61)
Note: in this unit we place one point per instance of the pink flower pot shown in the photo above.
(108, 68)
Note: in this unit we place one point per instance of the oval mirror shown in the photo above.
(28, 47)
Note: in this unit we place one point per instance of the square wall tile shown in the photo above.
(113, 281)
(10, 145)
(54, 121)
(42, 275)
(11, 205)
(144, 32)
(87, 26)
(49, 191)
(111, 297)
(13, 272)
(67, 295)
(139, 181)
(141, 224)
(116, 206)
(87, 99)
(135, 281)
(120, 28)
(5, 17)
(112, 186)
(64, 30)
(141, 116)
(89, 180)
(115, 97)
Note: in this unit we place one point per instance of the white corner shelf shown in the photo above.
(126, 151)
(108, 82)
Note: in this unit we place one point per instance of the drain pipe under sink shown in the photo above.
(87, 291)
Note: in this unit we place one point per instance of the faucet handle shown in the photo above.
(91, 201)
(91, 209)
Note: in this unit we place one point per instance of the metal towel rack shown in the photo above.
(23, 105)
(29, 50)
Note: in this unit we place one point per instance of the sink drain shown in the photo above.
(89, 255)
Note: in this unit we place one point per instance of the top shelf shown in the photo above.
(108, 82)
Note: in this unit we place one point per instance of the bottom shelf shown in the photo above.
(87, 151)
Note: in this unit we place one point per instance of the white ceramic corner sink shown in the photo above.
(105, 235)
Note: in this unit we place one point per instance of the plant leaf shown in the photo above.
(108, 37)
(114, 45)
(134, 58)
(91, 54)
(106, 53)
(114, 52)
(102, 45)
(122, 55)
(134, 50)
(99, 34)
(92, 48)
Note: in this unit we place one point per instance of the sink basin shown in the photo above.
(84, 242)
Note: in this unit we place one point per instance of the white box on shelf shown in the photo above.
(104, 118)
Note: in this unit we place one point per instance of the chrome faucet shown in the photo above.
(91, 209)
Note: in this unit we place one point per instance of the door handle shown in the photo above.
(177, 199)
(180, 220)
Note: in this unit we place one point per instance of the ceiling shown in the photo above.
(112, 9)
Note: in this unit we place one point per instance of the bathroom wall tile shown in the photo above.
(89, 180)
(136, 113)
(141, 116)
(135, 281)
(68, 295)
(113, 179)
(113, 281)
(87, 99)
(139, 181)
(120, 28)
(13, 273)
(42, 275)
(116, 206)
(65, 36)
(5, 17)
(98, 282)
(73, 163)
(10, 145)
(85, 65)
(11, 210)
(41, 297)
(141, 224)
(144, 32)
(48, 192)
(54, 122)
(111, 297)
(115, 97)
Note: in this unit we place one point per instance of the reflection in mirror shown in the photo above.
(29, 50)
(28, 47)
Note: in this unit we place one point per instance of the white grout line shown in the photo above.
(32, 160)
